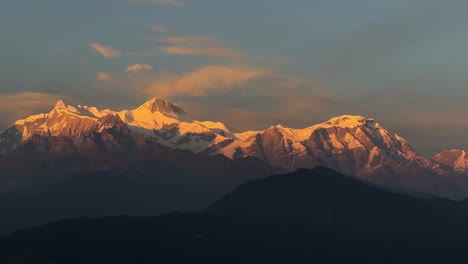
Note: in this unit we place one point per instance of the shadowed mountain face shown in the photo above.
(318, 216)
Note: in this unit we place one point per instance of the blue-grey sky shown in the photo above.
(248, 63)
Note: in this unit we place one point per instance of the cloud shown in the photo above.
(158, 28)
(105, 76)
(201, 40)
(173, 3)
(258, 112)
(138, 67)
(196, 46)
(204, 81)
(193, 51)
(16, 106)
(106, 51)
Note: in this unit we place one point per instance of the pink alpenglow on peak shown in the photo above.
(454, 158)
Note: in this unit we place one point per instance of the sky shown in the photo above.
(248, 63)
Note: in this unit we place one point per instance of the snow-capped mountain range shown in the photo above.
(351, 144)
(166, 123)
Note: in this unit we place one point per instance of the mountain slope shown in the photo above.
(309, 215)
(354, 145)
(456, 159)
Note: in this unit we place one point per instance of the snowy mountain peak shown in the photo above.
(163, 106)
(60, 106)
(455, 158)
(279, 126)
(349, 121)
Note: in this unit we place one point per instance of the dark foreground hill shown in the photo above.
(53, 187)
(315, 216)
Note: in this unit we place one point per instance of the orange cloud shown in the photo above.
(173, 3)
(210, 79)
(105, 76)
(138, 67)
(20, 105)
(106, 51)
(196, 46)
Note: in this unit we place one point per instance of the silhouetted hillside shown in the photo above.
(53, 187)
(318, 216)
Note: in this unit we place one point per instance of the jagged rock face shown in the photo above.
(356, 146)
(455, 158)
(170, 125)
(272, 147)
(358, 150)
(62, 121)
(107, 134)
(66, 130)
(56, 124)
(9, 139)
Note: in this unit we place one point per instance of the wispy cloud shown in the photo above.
(207, 80)
(105, 76)
(193, 40)
(138, 67)
(175, 45)
(200, 51)
(106, 51)
(173, 3)
(15, 106)
(196, 46)
(158, 28)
